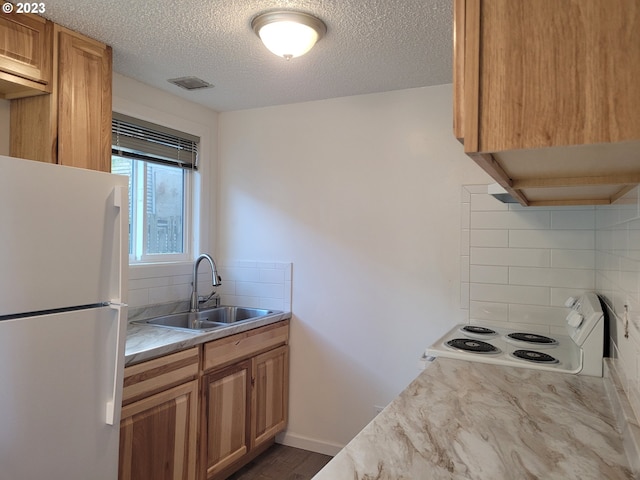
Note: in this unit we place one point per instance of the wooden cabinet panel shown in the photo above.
(227, 413)
(84, 103)
(270, 400)
(242, 345)
(72, 125)
(158, 436)
(553, 73)
(25, 55)
(150, 377)
(546, 99)
(245, 403)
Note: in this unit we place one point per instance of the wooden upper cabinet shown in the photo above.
(84, 102)
(72, 125)
(25, 55)
(546, 96)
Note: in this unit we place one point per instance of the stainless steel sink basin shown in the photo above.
(210, 319)
(234, 314)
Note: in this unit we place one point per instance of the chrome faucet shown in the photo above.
(216, 281)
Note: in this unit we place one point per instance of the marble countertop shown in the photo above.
(465, 420)
(145, 342)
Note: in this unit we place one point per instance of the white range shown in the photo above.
(580, 351)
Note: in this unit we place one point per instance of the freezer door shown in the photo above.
(57, 377)
(64, 236)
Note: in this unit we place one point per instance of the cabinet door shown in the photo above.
(84, 102)
(270, 399)
(25, 55)
(158, 436)
(225, 416)
(546, 73)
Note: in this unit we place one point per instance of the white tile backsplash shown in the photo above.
(553, 277)
(510, 294)
(573, 219)
(489, 238)
(570, 258)
(525, 257)
(489, 274)
(520, 260)
(578, 239)
(246, 283)
(498, 312)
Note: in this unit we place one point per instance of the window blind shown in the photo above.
(142, 140)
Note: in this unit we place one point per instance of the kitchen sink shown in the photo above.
(209, 319)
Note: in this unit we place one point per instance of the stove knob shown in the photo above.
(571, 301)
(574, 319)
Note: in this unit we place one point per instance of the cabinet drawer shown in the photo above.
(160, 374)
(246, 344)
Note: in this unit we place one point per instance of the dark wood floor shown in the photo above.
(282, 463)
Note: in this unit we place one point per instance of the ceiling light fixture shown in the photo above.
(288, 34)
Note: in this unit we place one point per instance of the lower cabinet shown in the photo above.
(226, 415)
(158, 436)
(270, 395)
(203, 413)
(245, 397)
(159, 424)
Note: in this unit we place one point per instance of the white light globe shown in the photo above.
(288, 39)
(288, 34)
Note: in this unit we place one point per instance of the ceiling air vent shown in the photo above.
(190, 83)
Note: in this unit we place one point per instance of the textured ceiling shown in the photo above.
(370, 46)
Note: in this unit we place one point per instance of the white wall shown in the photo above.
(362, 194)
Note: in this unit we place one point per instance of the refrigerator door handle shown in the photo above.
(118, 365)
(121, 201)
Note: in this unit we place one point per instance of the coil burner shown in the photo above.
(471, 345)
(477, 330)
(532, 338)
(535, 357)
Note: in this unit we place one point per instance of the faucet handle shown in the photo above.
(215, 296)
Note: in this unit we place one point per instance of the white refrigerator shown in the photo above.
(63, 316)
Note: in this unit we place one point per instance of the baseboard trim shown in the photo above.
(306, 443)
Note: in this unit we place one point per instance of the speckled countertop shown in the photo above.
(465, 420)
(145, 342)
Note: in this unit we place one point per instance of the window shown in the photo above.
(159, 162)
